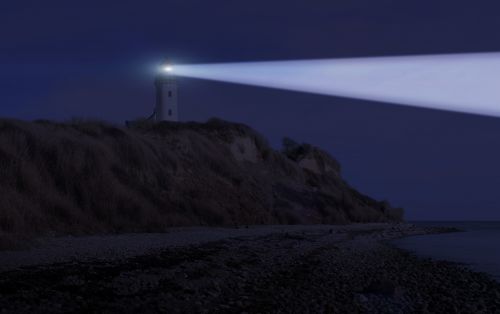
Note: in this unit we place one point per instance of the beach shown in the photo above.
(259, 269)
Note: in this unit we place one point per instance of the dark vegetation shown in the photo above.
(89, 177)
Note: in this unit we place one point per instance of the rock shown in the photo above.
(381, 287)
(362, 298)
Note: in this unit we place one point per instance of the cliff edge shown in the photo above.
(89, 177)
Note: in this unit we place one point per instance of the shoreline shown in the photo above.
(61, 249)
(329, 269)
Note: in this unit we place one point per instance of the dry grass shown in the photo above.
(89, 177)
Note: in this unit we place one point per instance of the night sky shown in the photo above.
(96, 59)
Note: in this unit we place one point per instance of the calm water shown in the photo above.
(478, 246)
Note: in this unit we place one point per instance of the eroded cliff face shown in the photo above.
(91, 177)
(301, 185)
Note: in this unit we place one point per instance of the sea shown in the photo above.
(478, 246)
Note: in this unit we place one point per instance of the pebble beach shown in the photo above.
(274, 269)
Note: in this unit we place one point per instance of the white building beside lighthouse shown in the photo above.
(167, 107)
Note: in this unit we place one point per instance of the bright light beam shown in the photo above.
(468, 83)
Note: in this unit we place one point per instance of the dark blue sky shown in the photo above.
(63, 59)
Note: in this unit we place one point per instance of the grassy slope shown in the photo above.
(89, 177)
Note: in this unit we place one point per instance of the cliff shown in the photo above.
(89, 177)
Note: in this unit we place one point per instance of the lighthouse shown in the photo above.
(167, 107)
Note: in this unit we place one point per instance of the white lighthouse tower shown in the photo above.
(167, 108)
